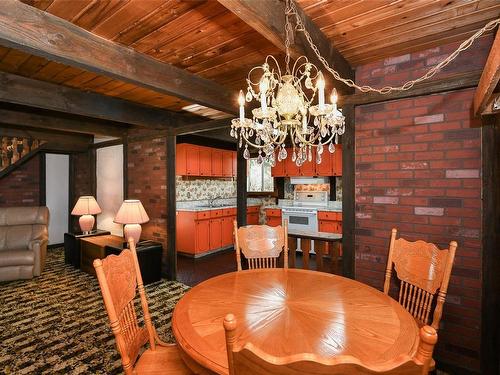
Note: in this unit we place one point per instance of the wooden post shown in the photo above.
(241, 189)
(348, 193)
(490, 324)
(171, 209)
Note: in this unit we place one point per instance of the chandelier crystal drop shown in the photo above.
(286, 111)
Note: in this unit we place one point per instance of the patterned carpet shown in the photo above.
(56, 323)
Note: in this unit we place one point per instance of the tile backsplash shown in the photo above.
(198, 189)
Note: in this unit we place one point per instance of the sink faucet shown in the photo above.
(212, 200)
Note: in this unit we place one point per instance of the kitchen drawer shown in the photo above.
(328, 215)
(251, 209)
(273, 212)
(202, 215)
(229, 212)
(216, 213)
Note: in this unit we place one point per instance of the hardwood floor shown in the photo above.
(191, 271)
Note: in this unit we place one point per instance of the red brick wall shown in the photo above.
(147, 182)
(418, 169)
(21, 187)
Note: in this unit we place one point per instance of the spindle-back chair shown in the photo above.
(423, 271)
(119, 276)
(261, 245)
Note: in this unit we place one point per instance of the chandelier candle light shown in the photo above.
(286, 108)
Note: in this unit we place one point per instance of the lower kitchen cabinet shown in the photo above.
(273, 217)
(330, 222)
(200, 232)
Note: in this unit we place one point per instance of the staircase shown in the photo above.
(15, 150)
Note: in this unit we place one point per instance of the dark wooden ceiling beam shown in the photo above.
(267, 17)
(434, 86)
(201, 127)
(43, 121)
(489, 79)
(31, 30)
(39, 94)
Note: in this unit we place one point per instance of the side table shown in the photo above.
(95, 247)
(149, 257)
(72, 245)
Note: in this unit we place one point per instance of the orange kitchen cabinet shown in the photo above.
(205, 156)
(291, 169)
(327, 226)
(217, 163)
(192, 160)
(180, 160)
(227, 163)
(273, 216)
(325, 169)
(227, 230)
(309, 167)
(279, 169)
(215, 233)
(337, 170)
(235, 163)
(202, 233)
(253, 215)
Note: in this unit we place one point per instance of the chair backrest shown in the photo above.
(119, 276)
(246, 359)
(261, 245)
(423, 270)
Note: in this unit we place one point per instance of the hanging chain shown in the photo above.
(291, 9)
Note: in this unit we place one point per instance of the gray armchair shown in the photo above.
(23, 242)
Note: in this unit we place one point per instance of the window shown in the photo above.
(259, 177)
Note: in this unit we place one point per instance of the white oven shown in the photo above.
(303, 214)
(301, 218)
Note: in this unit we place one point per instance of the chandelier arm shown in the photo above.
(388, 89)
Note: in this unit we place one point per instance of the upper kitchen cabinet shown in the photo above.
(331, 165)
(203, 161)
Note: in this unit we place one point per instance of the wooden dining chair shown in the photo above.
(261, 245)
(119, 277)
(246, 359)
(423, 271)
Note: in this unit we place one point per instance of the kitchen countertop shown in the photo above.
(329, 209)
(197, 209)
(314, 235)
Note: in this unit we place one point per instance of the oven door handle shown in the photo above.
(295, 213)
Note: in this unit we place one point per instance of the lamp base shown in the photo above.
(132, 231)
(86, 223)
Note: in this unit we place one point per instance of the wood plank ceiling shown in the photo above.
(368, 30)
(206, 39)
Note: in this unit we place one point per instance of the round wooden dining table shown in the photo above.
(290, 311)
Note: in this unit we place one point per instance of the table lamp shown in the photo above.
(86, 206)
(132, 214)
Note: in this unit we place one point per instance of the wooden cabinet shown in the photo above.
(217, 161)
(205, 157)
(331, 165)
(279, 169)
(330, 222)
(192, 160)
(202, 236)
(253, 215)
(215, 233)
(227, 230)
(201, 232)
(273, 217)
(227, 164)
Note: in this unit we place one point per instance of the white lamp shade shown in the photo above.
(86, 205)
(131, 212)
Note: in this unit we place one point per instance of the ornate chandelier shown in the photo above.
(286, 110)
